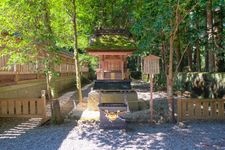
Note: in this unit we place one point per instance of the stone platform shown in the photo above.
(114, 97)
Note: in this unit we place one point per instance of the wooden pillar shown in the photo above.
(37, 69)
(179, 110)
(67, 69)
(43, 97)
(101, 66)
(122, 69)
(16, 72)
(151, 97)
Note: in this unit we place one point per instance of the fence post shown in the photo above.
(16, 73)
(43, 97)
(37, 69)
(213, 109)
(221, 109)
(179, 110)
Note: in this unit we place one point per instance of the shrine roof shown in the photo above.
(111, 42)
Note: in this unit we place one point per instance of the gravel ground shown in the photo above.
(8, 123)
(88, 136)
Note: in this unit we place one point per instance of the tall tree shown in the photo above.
(37, 38)
(78, 78)
(211, 66)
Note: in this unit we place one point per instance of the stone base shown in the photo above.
(113, 97)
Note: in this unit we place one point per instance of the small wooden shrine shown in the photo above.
(112, 47)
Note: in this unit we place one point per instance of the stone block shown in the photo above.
(112, 97)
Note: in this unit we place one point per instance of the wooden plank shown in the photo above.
(221, 114)
(7, 73)
(4, 107)
(112, 75)
(201, 103)
(25, 107)
(205, 110)
(213, 110)
(179, 110)
(18, 107)
(223, 109)
(210, 110)
(40, 107)
(11, 107)
(190, 110)
(32, 107)
(216, 111)
(198, 109)
(184, 109)
(22, 116)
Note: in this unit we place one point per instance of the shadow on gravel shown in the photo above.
(164, 136)
(47, 137)
(88, 136)
(16, 127)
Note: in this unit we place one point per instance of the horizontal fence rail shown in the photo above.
(32, 107)
(201, 109)
(33, 71)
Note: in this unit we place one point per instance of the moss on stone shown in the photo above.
(201, 84)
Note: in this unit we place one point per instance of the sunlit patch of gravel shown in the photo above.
(88, 136)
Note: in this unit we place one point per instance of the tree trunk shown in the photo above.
(197, 57)
(50, 75)
(189, 55)
(170, 81)
(163, 55)
(210, 48)
(170, 77)
(48, 86)
(177, 50)
(218, 29)
(56, 112)
(112, 12)
(76, 57)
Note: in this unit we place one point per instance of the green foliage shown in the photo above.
(160, 81)
(135, 75)
(150, 21)
(85, 80)
(133, 64)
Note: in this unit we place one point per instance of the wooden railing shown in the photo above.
(31, 71)
(201, 109)
(31, 68)
(32, 107)
(34, 70)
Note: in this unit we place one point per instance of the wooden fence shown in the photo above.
(32, 71)
(34, 107)
(201, 109)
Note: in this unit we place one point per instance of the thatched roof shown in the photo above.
(111, 39)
